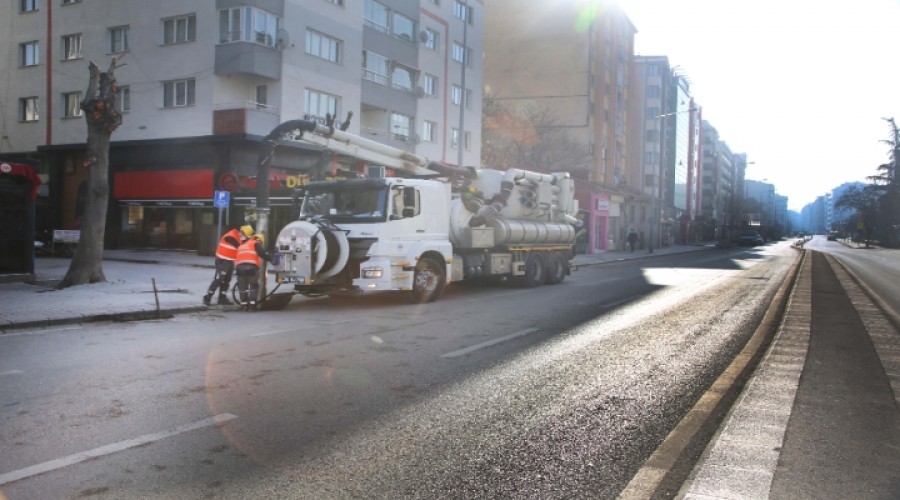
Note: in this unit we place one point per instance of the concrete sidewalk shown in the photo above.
(820, 417)
(181, 279)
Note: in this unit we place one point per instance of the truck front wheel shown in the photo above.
(428, 282)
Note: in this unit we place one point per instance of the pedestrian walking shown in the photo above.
(226, 252)
(249, 259)
(632, 239)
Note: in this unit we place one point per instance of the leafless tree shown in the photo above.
(102, 120)
(534, 138)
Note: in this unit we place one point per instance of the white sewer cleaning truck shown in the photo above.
(420, 230)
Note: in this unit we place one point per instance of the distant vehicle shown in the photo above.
(832, 235)
(750, 239)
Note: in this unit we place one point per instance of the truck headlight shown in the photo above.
(372, 273)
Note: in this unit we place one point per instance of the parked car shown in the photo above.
(832, 236)
(750, 238)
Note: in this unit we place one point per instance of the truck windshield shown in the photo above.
(348, 203)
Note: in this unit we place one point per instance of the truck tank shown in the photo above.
(515, 207)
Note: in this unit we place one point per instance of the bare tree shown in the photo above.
(102, 120)
(865, 201)
(534, 138)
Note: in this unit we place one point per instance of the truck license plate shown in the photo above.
(293, 279)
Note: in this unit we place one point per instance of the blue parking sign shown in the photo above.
(222, 198)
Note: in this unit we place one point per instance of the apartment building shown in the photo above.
(201, 82)
(718, 205)
(575, 60)
(653, 147)
(684, 142)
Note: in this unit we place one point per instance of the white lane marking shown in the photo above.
(467, 350)
(59, 463)
(300, 328)
(11, 372)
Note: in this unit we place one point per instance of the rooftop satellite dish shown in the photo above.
(423, 36)
(420, 92)
(414, 139)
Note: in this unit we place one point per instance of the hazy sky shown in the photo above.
(800, 86)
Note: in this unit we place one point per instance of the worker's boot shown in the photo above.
(207, 299)
(223, 300)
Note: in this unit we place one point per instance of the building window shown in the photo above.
(431, 39)
(376, 16)
(336, 2)
(403, 78)
(403, 27)
(70, 2)
(461, 54)
(29, 54)
(375, 67)
(71, 103)
(454, 139)
(180, 29)
(71, 47)
(248, 24)
(429, 131)
(400, 126)
(178, 93)
(123, 99)
(462, 11)
(430, 85)
(318, 104)
(262, 96)
(28, 109)
(653, 136)
(456, 96)
(653, 112)
(118, 39)
(29, 5)
(323, 46)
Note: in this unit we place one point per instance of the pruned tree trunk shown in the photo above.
(102, 119)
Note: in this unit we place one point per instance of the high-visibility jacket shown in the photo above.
(228, 245)
(247, 254)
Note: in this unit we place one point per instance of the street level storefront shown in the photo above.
(19, 184)
(174, 209)
(161, 191)
(600, 213)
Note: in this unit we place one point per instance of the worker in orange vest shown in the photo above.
(249, 259)
(226, 252)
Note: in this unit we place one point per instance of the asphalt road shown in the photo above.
(878, 268)
(553, 392)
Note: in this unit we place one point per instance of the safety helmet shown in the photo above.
(247, 231)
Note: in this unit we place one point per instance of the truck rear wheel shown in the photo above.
(535, 270)
(556, 268)
(428, 282)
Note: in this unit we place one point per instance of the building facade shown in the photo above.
(200, 83)
(574, 59)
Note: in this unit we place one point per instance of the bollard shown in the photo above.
(156, 297)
